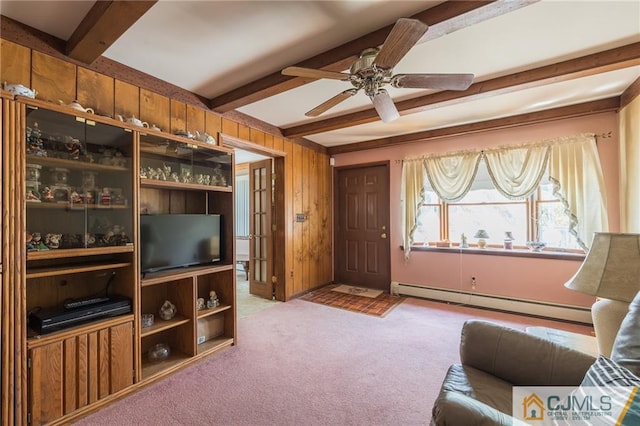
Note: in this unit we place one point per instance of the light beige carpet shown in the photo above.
(357, 291)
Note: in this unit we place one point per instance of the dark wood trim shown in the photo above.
(608, 60)
(442, 19)
(29, 37)
(102, 26)
(234, 142)
(630, 94)
(32, 38)
(587, 108)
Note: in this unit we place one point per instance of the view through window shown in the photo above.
(540, 217)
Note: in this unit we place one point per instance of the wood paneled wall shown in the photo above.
(308, 252)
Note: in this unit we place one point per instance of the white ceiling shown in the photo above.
(211, 47)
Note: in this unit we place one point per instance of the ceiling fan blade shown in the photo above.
(384, 106)
(313, 73)
(404, 35)
(432, 81)
(341, 97)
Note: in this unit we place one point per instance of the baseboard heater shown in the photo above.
(520, 306)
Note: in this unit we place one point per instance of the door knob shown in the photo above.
(383, 235)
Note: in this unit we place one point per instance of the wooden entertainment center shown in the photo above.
(76, 184)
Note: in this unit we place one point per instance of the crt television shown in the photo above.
(178, 240)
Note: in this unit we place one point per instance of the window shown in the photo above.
(469, 200)
(242, 205)
(489, 210)
(539, 217)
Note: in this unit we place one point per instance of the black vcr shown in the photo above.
(45, 321)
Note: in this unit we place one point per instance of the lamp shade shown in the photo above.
(481, 234)
(611, 269)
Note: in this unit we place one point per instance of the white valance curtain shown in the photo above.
(571, 163)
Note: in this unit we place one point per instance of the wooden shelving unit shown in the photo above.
(192, 333)
(95, 167)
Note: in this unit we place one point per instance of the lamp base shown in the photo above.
(607, 316)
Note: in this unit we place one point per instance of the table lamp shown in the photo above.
(611, 272)
(481, 235)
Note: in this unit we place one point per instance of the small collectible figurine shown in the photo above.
(75, 198)
(213, 300)
(463, 241)
(47, 194)
(52, 241)
(31, 196)
(167, 310)
(38, 244)
(200, 303)
(105, 196)
(31, 245)
(74, 147)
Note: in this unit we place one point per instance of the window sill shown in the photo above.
(502, 252)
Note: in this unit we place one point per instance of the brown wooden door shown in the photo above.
(260, 239)
(362, 227)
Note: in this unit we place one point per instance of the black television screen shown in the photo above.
(178, 240)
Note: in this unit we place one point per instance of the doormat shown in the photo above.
(357, 291)
(378, 306)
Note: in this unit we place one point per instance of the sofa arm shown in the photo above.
(520, 358)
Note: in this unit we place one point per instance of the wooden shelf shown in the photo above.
(215, 344)
(79, 207)
(67, 253)
(174, 361)
(74, 269)
(177, 274)
(203, 313)
(161, 325)
(166, 184)
(73, 164)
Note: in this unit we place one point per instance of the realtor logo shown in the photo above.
(533, 407)
(576, 406)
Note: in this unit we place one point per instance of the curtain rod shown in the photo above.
(603, 135)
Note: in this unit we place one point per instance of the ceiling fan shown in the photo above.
(373, 69)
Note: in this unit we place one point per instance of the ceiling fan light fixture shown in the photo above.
(384, 106)
(374, 69)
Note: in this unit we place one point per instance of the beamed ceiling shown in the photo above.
(532, 60)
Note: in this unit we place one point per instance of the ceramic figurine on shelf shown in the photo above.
(89, 240)
(35, 146)
(38, 244)
(463, 241)
(168, 310)
(52, 240)
(30, 244)
(213, 300)
(200, 303)
(74, 147)
(47, 194)
(105, 197)
(32, 196)
(75, 198)
(166, 169)
(119, 160)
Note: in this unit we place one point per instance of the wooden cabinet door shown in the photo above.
(68, 374)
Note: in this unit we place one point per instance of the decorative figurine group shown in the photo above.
(113, 236)
(69, 148)
(212, 302)
(165, 173)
